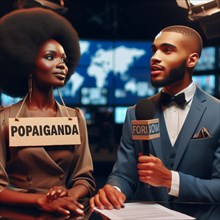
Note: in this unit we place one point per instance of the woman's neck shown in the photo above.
(41, 101)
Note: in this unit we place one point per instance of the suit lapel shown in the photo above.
(191, 123)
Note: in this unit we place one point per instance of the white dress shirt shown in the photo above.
(174, 117)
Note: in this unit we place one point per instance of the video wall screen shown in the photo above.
(207, 60)
(7, 100)
(110, 73)
(119, 114)
(206, 82)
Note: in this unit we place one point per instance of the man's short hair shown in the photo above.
(188, 32)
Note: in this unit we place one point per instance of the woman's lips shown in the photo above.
(60, 75)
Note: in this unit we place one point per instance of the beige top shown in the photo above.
(36, 169)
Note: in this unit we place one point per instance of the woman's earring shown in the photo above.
(30, 87)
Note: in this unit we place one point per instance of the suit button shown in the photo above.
(170, 199)
(173, 155)
(29, 178)
(61, 177)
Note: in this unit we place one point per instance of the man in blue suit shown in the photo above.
(184, 163)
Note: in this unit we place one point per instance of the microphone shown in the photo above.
(146, 127)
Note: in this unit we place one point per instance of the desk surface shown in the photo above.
(199, 211)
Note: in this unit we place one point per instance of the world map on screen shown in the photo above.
(110, 73)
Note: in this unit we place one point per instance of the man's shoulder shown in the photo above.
(208, 97)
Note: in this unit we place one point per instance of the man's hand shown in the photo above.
(152, 171)
(108, 197)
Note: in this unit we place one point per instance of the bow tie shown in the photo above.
(166, 99)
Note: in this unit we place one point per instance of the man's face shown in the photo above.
(168, 62)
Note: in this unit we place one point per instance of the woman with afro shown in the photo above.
(39, 51)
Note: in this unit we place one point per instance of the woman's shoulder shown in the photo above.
(11, 109)
(4, 109)
(75, 111)
(72, 111)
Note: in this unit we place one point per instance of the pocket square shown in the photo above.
(203, 133)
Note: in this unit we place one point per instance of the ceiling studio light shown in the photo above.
(206, 12)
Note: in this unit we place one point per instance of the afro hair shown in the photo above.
(22, 32)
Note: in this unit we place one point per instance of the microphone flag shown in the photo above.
(145, 129)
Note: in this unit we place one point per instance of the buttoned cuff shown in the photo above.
(175, 184)
(117, 188)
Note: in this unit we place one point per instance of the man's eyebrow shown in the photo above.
(163, 45)
(168, 45)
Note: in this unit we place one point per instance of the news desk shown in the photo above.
(199, 211)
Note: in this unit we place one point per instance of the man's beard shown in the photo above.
(175, 75)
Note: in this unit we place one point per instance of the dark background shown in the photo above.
(122, 19)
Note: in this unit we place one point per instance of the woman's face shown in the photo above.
(50, 68)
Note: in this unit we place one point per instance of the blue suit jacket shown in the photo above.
(197, 160)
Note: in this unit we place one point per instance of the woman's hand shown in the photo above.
(59, 199)
(61, 205)
(56, 192)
